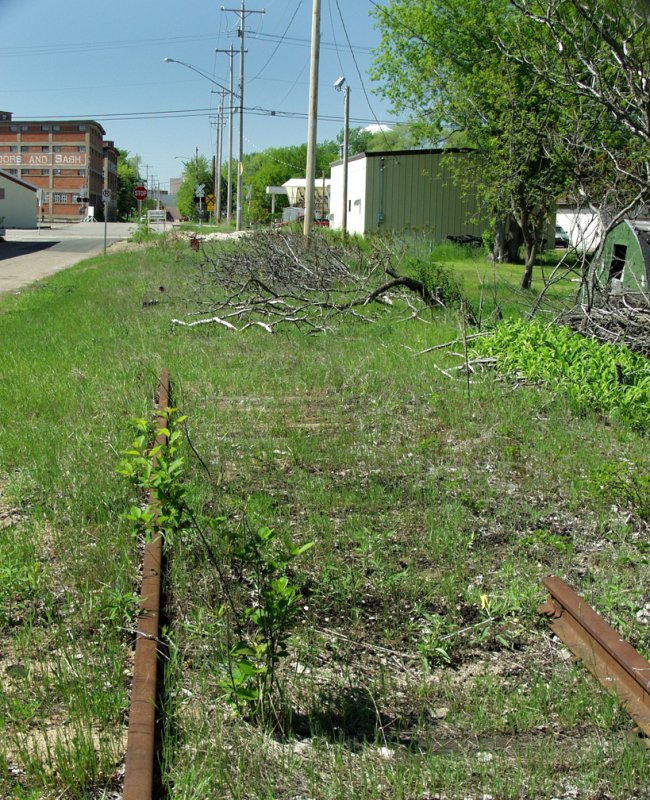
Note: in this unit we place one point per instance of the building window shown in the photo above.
(56, 148)
(13, 128)
(618, 261)
(60, 197)
(82, 148)
(2, 194)
(81, 172)
(45, 172)
(82, 128)
(24, 148)
(45, 148)
(45, 127)
(24, 128)
(13, 172)
(13, 148)
(56, 127)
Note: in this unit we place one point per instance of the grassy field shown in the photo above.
(418, 667)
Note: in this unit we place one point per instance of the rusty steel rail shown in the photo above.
(616, 664)
(140, 748)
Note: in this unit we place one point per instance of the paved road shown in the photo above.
(27, 256)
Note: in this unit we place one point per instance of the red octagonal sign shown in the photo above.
(140, 193)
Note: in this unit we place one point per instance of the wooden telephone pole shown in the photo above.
(313, 119)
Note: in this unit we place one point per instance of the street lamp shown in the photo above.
(338, 85)
(232, 94)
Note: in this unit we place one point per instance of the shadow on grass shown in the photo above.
(349, 717)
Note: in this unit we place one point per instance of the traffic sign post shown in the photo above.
(199, 191)
(106, 197)
(140, 194)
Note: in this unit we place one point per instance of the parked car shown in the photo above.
(299, 220)
(561, 237)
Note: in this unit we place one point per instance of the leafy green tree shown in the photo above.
(596, 53)
(196, 171)
(445, 63)
(128, 177)
(274, 166)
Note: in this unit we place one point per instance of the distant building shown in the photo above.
(110, 156)
(67, 160)
(17, 202)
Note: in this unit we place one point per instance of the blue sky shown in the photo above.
(104, 61)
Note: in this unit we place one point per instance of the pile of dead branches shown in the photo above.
(272, 279)
(617, 324)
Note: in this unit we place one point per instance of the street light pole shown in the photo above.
(338, 85)
(243, 13)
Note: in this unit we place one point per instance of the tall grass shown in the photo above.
(420, 666)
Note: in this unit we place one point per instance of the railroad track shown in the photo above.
(140, 748)
(616, 664)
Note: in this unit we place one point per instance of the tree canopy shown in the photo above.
(128, 177)
(553, 96)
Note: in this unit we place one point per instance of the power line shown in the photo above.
(363, 85)
(196, 112)
(82, 47)
(338, 55)
(280, 42)
(306, 43)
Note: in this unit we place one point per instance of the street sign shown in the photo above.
(140, 193)
(106, 194)
(200, 190)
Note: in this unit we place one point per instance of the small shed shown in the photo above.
(17, 202)
(407, 190)
(624, 266)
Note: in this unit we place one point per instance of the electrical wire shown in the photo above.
(280, 42)
(338, 54)
(195, 112)
(363, 85)
(305, 42)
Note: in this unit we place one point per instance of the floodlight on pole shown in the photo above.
(338, 85)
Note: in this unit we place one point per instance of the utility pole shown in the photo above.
(231, 116)
(197, 191)
(313, 119)
(217, 166)
(242, 12)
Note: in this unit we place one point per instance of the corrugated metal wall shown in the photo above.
(417, 191)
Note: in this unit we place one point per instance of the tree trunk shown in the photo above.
(530, 243)
(527, 277)
(515, 240)
(499, 250)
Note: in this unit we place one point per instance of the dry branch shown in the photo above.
(272, 279)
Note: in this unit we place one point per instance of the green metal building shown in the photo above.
(623, 270)
(406, 189)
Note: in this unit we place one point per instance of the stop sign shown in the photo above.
(140, 193)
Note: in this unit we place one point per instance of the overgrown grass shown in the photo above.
(420, 666)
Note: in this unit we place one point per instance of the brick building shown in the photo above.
(66, 160)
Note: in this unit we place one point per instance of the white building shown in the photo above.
(295, 190)
(17, 202)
